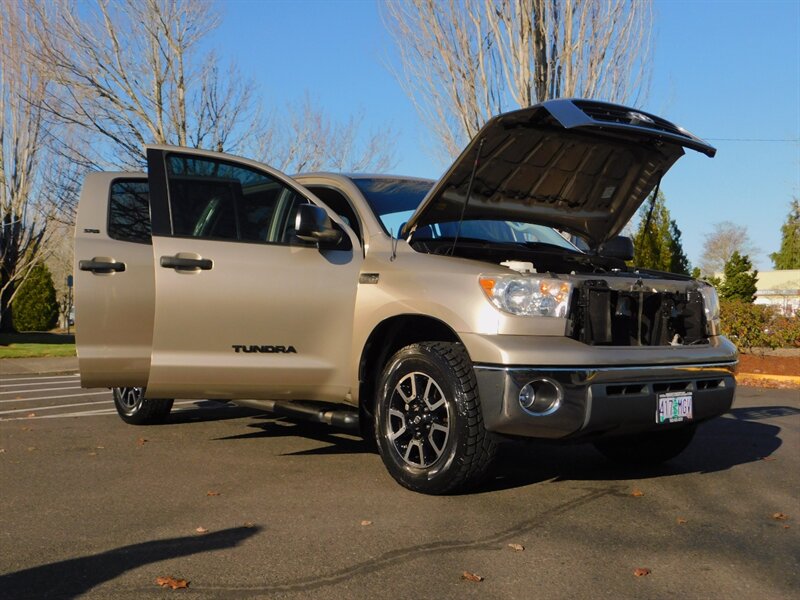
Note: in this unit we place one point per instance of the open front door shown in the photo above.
(238, 299)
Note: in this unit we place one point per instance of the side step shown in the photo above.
(317, 412)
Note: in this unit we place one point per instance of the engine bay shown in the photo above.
(612, 303)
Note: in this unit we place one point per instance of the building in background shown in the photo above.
(780, 289)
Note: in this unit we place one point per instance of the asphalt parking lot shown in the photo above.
(242, 504)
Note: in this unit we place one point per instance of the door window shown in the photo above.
(215, 199)
(129, 211)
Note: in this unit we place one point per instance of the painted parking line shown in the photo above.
(111, 411)
(38, 378)
(54, 397)
(52, 389)
(4, 385)
(35, 408)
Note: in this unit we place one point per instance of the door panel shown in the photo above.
(243, 310)
(114, 290)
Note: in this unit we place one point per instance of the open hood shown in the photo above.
(577, 165)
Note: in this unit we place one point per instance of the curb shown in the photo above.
(768, 377)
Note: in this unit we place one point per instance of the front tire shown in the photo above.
(644, 449)
(135, 409)
(428, 421)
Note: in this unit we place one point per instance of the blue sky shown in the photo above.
(725, 70)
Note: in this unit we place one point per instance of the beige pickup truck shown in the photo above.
(441, 318)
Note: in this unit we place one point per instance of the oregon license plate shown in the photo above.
(673, 407)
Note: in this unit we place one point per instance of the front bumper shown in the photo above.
(601, 401)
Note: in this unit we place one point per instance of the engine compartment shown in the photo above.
(612, 304)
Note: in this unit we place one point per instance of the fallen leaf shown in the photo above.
(141, 442)
(637, 493)
(779, 516)
(466, 575)
(366, 523)
(27, 428)
(517, 547)
(681, 521)
(2, 450)
(210, 493)
(787, 527)
(641, 572)
(100, 447)
(201, 530)
(92, 453)
(768, 458)
(172, 582)
(31, 415)
(249, 524)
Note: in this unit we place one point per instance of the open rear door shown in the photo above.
(114, 281)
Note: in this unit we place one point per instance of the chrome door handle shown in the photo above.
(177, 262)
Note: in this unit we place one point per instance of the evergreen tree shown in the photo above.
(35, 307)
(679, 263)
(788, 257)
(659, 247)
(740, 279)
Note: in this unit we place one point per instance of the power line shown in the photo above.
(753, 139)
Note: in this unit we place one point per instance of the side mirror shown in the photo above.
(312, 224)
(620, 247)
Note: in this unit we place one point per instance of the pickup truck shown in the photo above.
(440, 318)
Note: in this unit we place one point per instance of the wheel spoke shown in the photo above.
(441, 429)
(427, 396)
(394, 413)
(418, 445)
(399, 389)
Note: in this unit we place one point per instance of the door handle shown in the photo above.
(101, 266)
(177, 262)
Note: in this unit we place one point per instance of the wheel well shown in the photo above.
(386, 339)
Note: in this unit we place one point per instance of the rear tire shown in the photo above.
(428, 421)
(135, 409)
(651, 448)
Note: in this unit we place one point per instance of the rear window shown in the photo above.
(129, 211)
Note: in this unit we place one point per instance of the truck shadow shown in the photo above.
(74, 577)
(736, 438)
(338, 441)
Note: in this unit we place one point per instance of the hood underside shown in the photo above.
(580, 166)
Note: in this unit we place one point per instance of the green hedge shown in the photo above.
(35, 307)
(758, 326)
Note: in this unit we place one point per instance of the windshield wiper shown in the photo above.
(546, 245)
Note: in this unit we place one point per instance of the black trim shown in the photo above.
(176, 262)
(161, 222)
(98, 266)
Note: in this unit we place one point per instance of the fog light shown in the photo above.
(540, 396)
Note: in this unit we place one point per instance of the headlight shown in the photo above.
(528, 296)
(711, 304)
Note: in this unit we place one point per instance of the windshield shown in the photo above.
(394, 201)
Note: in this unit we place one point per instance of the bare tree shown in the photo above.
(464, 61)
(721, 243)
(27, 200)
(307, 139)
(132, 71)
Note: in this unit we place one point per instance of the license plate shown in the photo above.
(674, 407)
